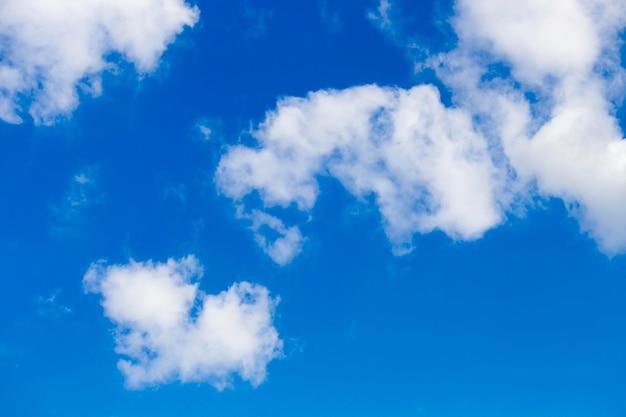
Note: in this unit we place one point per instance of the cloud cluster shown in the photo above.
(534, 91)
(567, 143)
(50, 50)
(425, 165)
(167, 329)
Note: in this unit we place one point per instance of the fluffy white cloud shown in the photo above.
(52, 49)
(539, 37)
(569, 145)
(460, 168)
(425, 165)
(167, 329)
(579, 156)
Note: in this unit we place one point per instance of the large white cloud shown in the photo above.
(567, 53)
(425, 165)
(167, 329)
(547, 128)
(52, 49)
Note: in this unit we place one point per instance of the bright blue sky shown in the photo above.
(410, 253)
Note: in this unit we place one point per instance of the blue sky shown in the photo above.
(316, 208)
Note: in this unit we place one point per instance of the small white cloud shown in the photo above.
(205, 131)
(279, 242)
(208, 129)
(82, 178)
(77, 196)
(167, 329)
(53, 49)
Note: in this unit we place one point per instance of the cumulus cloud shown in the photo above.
(425, 165)
(568, 144)
(534, 91)
(167, 329)
(50, 50)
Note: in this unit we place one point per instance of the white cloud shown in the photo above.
(205, 131)
(538, 37)
(425, 165)
(77, 196)
(279, 242)
(167, 329)
(53, 49)
(579, 156)
(569, 145)
(461, 168)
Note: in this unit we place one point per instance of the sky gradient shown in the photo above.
(316, 208)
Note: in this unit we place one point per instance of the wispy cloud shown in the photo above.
(167, 329)
(279, 242)
(381, 16)
(176, 191)
(54, 50)
(82, 193)
(543, 127)
(50, 306)
(330, 17)
(208, 129)
(205, 131)
(256, 20)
